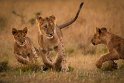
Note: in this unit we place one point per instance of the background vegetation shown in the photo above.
(81, 54)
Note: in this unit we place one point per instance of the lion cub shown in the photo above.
(24, 50)
(114, 43)
(50, 38)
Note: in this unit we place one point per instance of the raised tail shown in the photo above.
(73, 20)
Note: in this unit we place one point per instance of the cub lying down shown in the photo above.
(24, 50)
(114, 43)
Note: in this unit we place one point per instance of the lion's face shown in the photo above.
(46, 26)
(100, 36)
(19, 35)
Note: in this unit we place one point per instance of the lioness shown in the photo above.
(24, 50)
(114, 43)
(50, 38)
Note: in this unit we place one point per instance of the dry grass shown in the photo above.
(81, 54)
(84, 71)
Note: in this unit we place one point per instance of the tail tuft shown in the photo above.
(81, 4)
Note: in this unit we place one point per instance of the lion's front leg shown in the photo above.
(107, 57)
(49, 58)
(46, 60)
(61, 62)
(22, 59)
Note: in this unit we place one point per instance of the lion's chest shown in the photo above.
(50, 43)
(25, 50)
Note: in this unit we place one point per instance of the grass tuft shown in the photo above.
(4, 66)
(29, 68)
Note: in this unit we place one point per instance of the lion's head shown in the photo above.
(101, 36)
(19, 35)
(47, 25)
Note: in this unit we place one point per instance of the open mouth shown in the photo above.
(49, 37)
(21, 43)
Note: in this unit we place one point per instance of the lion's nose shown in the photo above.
(92, 42)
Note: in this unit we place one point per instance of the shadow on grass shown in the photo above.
(4, 67)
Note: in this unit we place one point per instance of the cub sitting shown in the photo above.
(114, 43)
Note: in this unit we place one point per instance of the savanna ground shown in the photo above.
(81, 54)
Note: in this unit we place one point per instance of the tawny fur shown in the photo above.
(114, 43)
(24, 50)
(53, 42)
(50, 38)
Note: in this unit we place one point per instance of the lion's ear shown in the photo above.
(14, 31)
(40, 19)
(25, 30)
(103, 30)
(98, 30)
(52, 17)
